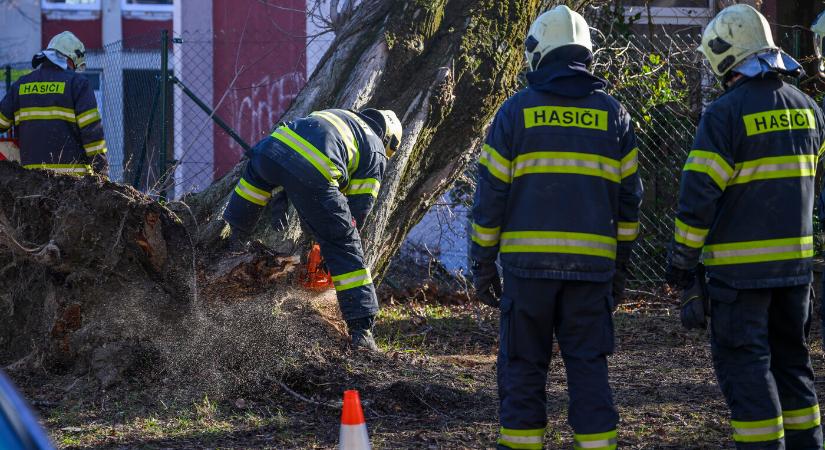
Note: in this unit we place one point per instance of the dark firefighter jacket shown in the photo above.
(342, 146)
(558, 189)
(747, 191)
(58, 121)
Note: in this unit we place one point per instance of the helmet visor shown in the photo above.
(392, 144)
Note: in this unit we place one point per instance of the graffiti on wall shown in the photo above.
(258, 108)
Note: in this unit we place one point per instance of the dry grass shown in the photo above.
(433, 387)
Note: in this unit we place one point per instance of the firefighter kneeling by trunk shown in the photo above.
(330, 164)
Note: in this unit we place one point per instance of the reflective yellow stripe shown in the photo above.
(821, 150)
(251, 193)
(758, 251)
(354, 117)
(627, 231)
(4, 121)
(87, 117)
(352, 279)
(369, 186)
(630, 163)
(711, 164)
(309, 152)
(774, 167)
(757, 430)
(779, 120)
(346, 136)
(485, 237)
(68, 169)
(558, 242)
(498, 166)
(95, 148)
(42, 87)
(565, 116)
(693, 237)
(567, 162)
(52, 113)
(595, 441)
(801, 419)
(521, 439)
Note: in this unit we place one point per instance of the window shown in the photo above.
(670, 12)
(71, 9)
(148, 9)
(669, 3)
(71, 5)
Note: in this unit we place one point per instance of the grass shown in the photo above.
(434, 387)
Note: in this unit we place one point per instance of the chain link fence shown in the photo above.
(662, 82)
(223, 93)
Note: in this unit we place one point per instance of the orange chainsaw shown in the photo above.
(315, 277)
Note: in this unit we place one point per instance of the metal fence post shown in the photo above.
(164, 98)
(8, 88)
(796, 48)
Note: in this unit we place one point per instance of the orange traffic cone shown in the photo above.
(353, 428)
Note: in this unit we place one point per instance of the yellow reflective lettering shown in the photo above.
(563, 116)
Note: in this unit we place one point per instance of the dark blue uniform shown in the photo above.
(558, 198)
(330, 164)
(745, 206)
(56, 115)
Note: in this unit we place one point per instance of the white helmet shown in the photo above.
(553, 29)
(819, 35)
(390, 127)
(68, 45)
(737, 32)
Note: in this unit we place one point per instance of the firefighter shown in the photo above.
(745, 208)
(818, 28)
(330, 164)
(558, 198)
(55, 111)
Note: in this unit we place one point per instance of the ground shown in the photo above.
(432, 387)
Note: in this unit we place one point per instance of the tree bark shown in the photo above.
(444, 67)
(85, 263)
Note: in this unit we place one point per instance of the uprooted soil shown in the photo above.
(269, 371)
(432, 387)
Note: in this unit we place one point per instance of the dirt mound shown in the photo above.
(103, 280)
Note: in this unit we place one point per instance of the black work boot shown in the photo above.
(238, 241)
(360, 332)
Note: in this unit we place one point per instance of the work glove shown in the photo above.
(695, 307)
(679, 278)
(619, 283)
(487, 283)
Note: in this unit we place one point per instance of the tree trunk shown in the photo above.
(86, 264)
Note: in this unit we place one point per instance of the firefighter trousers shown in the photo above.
(759, 342)
(322, 208)
(579, 313)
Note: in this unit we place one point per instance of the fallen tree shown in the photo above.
(93, 272)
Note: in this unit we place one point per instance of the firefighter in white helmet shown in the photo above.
(330, 164)
(557, 198)
(745, 210)
(55, 112)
